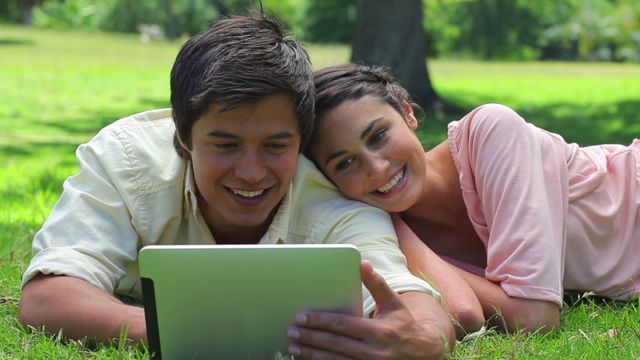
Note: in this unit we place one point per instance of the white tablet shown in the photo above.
(237, 301)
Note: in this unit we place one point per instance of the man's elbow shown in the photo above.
(24, 315)
(32, 302)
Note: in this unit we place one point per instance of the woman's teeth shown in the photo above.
(246, 193)
(392, 183)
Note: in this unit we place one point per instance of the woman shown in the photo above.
(518, 214)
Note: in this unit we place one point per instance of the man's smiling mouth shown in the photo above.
(247, 193)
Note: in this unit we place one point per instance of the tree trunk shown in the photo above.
(170, 26)
(222, 8)
(390, 33)
(26, 12)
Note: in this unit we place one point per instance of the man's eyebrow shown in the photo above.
(226, 134)
(222, 134)
(281, 135)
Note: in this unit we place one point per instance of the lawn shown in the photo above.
(58, 88)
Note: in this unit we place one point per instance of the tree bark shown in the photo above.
(222, 8)
(170, 26)
(390, 33)
(26, 12)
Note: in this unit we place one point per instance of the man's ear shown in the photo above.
(410, 117)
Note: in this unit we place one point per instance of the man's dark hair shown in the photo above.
(235, 61)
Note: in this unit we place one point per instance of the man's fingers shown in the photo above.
(341, 324)
(307, 353)
(317, 344)
(383, 295)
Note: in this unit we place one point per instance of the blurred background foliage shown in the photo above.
(584, 30)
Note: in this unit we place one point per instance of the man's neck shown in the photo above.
(244, 236)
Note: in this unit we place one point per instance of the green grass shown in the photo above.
(58, 88)
(586, 103)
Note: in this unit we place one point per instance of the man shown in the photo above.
(223, 167)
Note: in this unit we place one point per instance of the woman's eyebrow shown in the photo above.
(369, 127)
(334, 155)
(363, 135)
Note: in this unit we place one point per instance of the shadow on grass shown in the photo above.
(16, 41)
(88, 125)
(613, 123)
(91, 123)
(34, 148)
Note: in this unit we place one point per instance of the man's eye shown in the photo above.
(344, 164)
(226, 146)
(276, 146)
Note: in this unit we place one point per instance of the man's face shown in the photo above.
(243, 162)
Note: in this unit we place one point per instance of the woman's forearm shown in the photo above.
(512, 313)
(458, 299)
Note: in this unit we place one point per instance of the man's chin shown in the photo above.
(249, 221)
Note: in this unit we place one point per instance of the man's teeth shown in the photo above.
(393, 182)
(246, 193)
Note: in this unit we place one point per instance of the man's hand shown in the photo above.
(407, 326)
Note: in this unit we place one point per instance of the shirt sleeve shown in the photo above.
(513, 179)
(89, 233)
(371, 230)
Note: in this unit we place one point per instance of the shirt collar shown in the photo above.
(277, 232)
(190, 191)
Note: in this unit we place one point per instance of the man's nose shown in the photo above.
(251, 167)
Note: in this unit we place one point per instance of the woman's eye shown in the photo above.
(344, 164)
(378, 136)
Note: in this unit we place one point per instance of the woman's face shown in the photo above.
(371, 153)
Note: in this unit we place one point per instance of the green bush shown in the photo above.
(329, 21)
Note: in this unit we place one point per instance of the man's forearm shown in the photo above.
(79, 309)
(436, 326)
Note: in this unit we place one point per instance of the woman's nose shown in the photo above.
(377, 165)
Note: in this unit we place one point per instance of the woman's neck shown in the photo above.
(441, 200)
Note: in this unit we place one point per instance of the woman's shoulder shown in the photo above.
(488, 119)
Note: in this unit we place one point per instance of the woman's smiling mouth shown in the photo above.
(393, 183)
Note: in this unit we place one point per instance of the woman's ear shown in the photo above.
(410, 117)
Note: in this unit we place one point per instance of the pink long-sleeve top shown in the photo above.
(553, 216)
